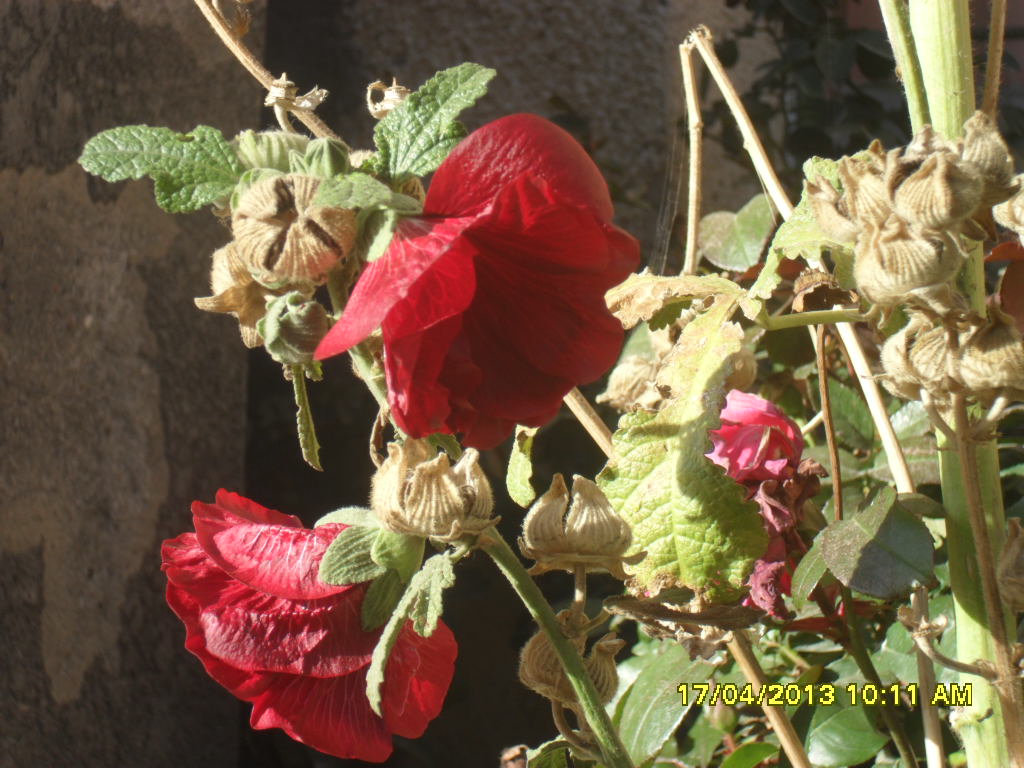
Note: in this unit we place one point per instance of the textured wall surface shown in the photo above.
(120, 402)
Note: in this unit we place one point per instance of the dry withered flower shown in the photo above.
(1011, 213)
(992, 359)
(938, 194)
(417, 492)
(236, 293)
(540, 669)
(985, 150)
(285, 240)
(830, 211)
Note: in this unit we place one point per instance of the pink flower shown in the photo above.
(245, 585)
(491, 302)
(756, 441)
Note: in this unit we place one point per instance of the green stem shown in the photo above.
(971, 486)
(908, 66)
(613, 752)
(801, 319)
(860, 654)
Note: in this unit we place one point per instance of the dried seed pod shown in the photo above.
(631, 385)
(928, 142)
(593, 527)
(826, 205)
(992, 359)
(417, 492)
(900, 378)
(929, 358)
(600, 666)
(939, 193)
(544, 526)
(235, 293)
(541, 671)
(893, 262)
(864, 192)
(1011, 213)
(292, 327)
(1010, 573)
(285, 240)
(986, 151)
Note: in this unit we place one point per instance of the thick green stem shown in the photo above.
(613, 752)
(908, 66)
(970, 477)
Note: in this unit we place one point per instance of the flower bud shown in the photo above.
(592, 536)
(235, 293)
(417, 492)
(269, 149)
(285, 240)
(992, 358)
(938, 194)
(292, 327)
(326, 158)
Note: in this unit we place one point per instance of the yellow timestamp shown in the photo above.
(822, 694)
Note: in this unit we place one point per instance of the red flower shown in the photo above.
(756, 441)
(245, 584)
(492, 302)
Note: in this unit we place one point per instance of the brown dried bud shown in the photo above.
(928, 142)
(864, 191)
(900, 377)
(985, 149)
(541, 671)
(235, 293)
(1011, 213)
(600, 666)
(418, 493)
(816, 289)
(939, 193)
(929, 358)
(992, 358)
(286, 241)
(1010, 573)
(592, 536)
(826, 204)
(892, 262)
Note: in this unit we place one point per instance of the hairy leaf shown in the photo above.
(692, 520)
(347, 560)
(357, 190)
(417, 135)
(381, 599)
(190, 170)
(734, 242)
(360, 516)
(396, 551)
(308, 442)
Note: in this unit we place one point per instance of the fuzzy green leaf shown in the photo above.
(422, 602)
(347, 560)
(379, 228)
(308, 443)
(357, 190)
(692, 520)
(359, 516)
(520, 468)
(734, 242)
(381, 599)
(398, 552)
(415, 137)
(190, 170)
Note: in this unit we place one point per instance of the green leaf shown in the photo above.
(911, 421)
(882, 551)
(553, 754)
(841, 736)
(735, 242)
(379, 228)
(422, 602)
(701, 742)
(381, 599)
(360, 516)
(304, 418)
(357, 190)
(190, 170)
(396, 551)
(640, 297)
(691, 519)
(416, 136)
(650, 712)
(520, 468)
(854, 426)
(750, 755)
(347, 560)
(807, 575)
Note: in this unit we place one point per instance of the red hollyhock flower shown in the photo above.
(756, 441)
(491, 302)
(245, 584)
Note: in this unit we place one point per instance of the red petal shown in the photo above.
(278, 559)
(417, 678)
(492, 156)
(419, 247)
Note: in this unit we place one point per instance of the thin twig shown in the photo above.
(695, 126)
(252, 64)
(700, 38)
(994, 65)
(588, 418)
(830, 429)
(740, 649)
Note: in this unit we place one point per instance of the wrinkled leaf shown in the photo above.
(416, 136)
(640, 297)
(421, 602)
(882, 550)
(308, 443)
(347, 560)
(650, 711)
(807, 575)
(360, 516)
(357, 190)
(750, 755)
(692, 520)
(520, 468)
(854, 426)
(735, 242)
(381, 599)
(396, 551)
(190, 170)
(841, 736)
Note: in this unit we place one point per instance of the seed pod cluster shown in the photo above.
(417, 492)
(905, 211)
(591, 535)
